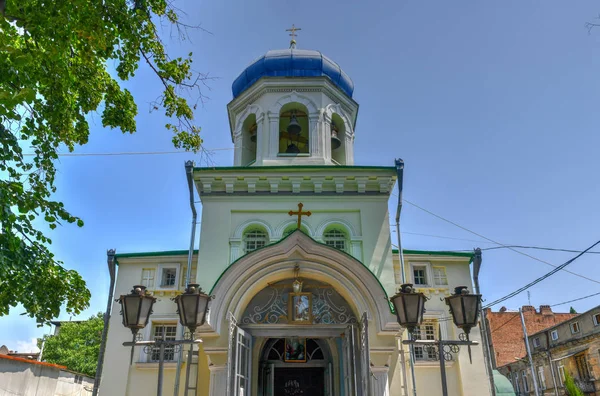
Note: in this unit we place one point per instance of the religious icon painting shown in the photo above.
(300, 308)
(295, 350)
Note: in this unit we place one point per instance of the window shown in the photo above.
(169, 275)
(554, 335)
(425, 332)
(420, 274)
(335, 239)
(148, 277)
(561, 372)
(439, 276)
(184, 273)
(516, 381)
(255, 239)
(536, 342)
(574, 327)
(596, 319)
(169, 331)
(541, 377)
(524, 378)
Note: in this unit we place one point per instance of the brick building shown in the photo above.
(505, 333)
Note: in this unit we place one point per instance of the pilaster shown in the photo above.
(379, 381)
(273, 134)
(218, 380)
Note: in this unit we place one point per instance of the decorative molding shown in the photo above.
(280, 229)
(251, 182)
(239, 231)
(361, 183)
(294, 97)
(337, 222)
(339, 184)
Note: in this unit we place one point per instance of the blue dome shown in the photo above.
(292, 63)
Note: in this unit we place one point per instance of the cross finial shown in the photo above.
(299, 213)
(293, 34)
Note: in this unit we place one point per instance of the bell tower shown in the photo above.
(293, 107)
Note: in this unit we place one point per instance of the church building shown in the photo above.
(295, 246)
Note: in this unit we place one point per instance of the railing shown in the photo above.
(586, 386)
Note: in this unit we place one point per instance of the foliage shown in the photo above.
(55, 73)
(76, 345)
(572, 310)
(571, 387)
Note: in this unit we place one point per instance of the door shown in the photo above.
(239, 360)
(304, 381)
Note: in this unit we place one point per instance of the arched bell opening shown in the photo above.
(338, 139)
(293, 130)
(249, 140)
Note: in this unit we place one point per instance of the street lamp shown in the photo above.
(192, 307)
(464, 308)
(136, 309)
(409, 306)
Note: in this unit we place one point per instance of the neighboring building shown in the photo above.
(572, 346)
(251, 251)
(26, 377)
(505, 332)
(25, 355)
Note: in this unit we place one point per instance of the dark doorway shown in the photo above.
(305, 381)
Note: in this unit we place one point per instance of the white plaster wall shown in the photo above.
(26, 379)
(221, 216)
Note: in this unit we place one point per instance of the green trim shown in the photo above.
(293, 167)
(153, 254)
(320, 243)
(435, 253)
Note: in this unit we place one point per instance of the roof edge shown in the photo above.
(435, 253)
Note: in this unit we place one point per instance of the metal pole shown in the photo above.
(477, 260)
(533, 376)
(161, 364)
(189, 168)
(400, 176)
(442, 363)
(552, 371)
(188, 368)
(110, 260)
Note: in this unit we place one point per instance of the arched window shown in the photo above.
(255, 238)
(335, 238)
(293, 228)
(293, 130)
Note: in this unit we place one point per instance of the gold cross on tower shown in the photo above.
(293, 34)
(299, 213)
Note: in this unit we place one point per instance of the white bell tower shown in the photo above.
(293, 107)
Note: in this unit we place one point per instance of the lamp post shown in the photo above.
(136, 309)
(464, 307)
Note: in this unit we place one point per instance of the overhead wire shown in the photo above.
(495, 242)
(128, 153)
(541, 278)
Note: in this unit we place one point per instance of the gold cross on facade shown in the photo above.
(293, 34)
(299, 213)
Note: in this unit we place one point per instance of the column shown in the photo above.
(314, 135)
(238, 144)
(218, 380)
(273, 134)
(262, 140)
(379, 381)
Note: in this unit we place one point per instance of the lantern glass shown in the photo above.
(409, 307)
(136, 308)
(192, 307)
(464, 308)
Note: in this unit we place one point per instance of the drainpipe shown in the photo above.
(400, 176)
(110, 260)
(477, 259)
(533, 376)
(189, 168)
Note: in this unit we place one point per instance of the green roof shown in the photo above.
(153, 254)
(502, 385)
(435, 253)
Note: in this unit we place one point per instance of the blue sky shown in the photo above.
(492, 105)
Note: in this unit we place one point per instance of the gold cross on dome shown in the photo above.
(299, 213)
(293, 34)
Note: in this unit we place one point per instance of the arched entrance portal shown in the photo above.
(340, 305)
(304, 338)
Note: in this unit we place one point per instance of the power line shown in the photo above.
(577, 299)
(538, 248)
(495, 242)
(538, 280)
(128, 153)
